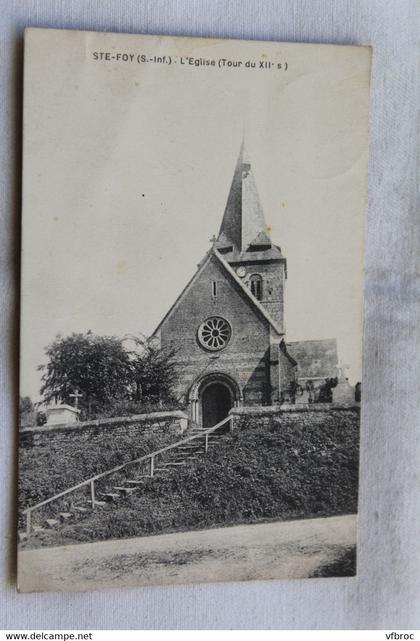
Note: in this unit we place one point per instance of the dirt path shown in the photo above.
(280, 550)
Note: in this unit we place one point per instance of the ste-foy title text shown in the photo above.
(264, 63)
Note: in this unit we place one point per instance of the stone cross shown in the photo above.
(213, 239)
(76, 395)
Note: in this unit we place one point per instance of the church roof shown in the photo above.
(315, 359)
(224, 243)
(243, 221)
(231, 274)
(262, 239)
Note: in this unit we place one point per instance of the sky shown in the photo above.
(127, 168)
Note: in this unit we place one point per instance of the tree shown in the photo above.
(106, 373)
(25, 405)
(325, 393)
(153, 372)
(27, 414)
(97, 366)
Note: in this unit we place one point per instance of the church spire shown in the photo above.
(243, 222)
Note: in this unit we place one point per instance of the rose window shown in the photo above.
(214, 333)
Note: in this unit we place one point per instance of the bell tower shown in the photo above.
(245, 243)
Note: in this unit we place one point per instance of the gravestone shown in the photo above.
(343, 392)
(61, 413)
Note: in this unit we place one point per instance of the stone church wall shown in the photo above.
(246, 357)
(169, 423)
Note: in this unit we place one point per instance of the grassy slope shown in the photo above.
(279, 472)
(46, 470)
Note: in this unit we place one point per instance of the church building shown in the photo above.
(227, 325)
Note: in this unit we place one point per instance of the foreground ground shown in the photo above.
(277, 550)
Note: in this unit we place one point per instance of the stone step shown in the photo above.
(173, 464)
(188, 446)
(79, 508)
(87, 505)
(162, 469)
(124, 490)
(110, 496)
(139, 481)
(184, 455)
(52, 522)
(64, 516)
(38, 528)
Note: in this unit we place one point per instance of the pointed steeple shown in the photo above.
(243, 221)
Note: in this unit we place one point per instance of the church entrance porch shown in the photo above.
(212, 397)
(215, 404)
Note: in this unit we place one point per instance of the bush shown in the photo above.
(41, 418)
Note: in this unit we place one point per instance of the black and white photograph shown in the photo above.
(191, 310)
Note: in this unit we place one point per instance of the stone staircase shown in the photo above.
(190, 450)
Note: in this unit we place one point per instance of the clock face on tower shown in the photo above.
(241, 271)
(214, 333)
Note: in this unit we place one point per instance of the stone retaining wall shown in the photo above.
(174, 422)
(299, 415)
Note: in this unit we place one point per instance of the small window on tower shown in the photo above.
(214, 289)
(256, 286)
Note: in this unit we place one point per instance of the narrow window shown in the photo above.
(214, 289)
(256, 286)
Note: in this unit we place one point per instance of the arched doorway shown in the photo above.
(212, 396)
(216, 402)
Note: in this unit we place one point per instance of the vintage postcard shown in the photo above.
(192, 306)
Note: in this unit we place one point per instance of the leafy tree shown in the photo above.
(27, 413)
(325, 394)
(25, 405)
(97, 366)
(107, 374)
(153, 372)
